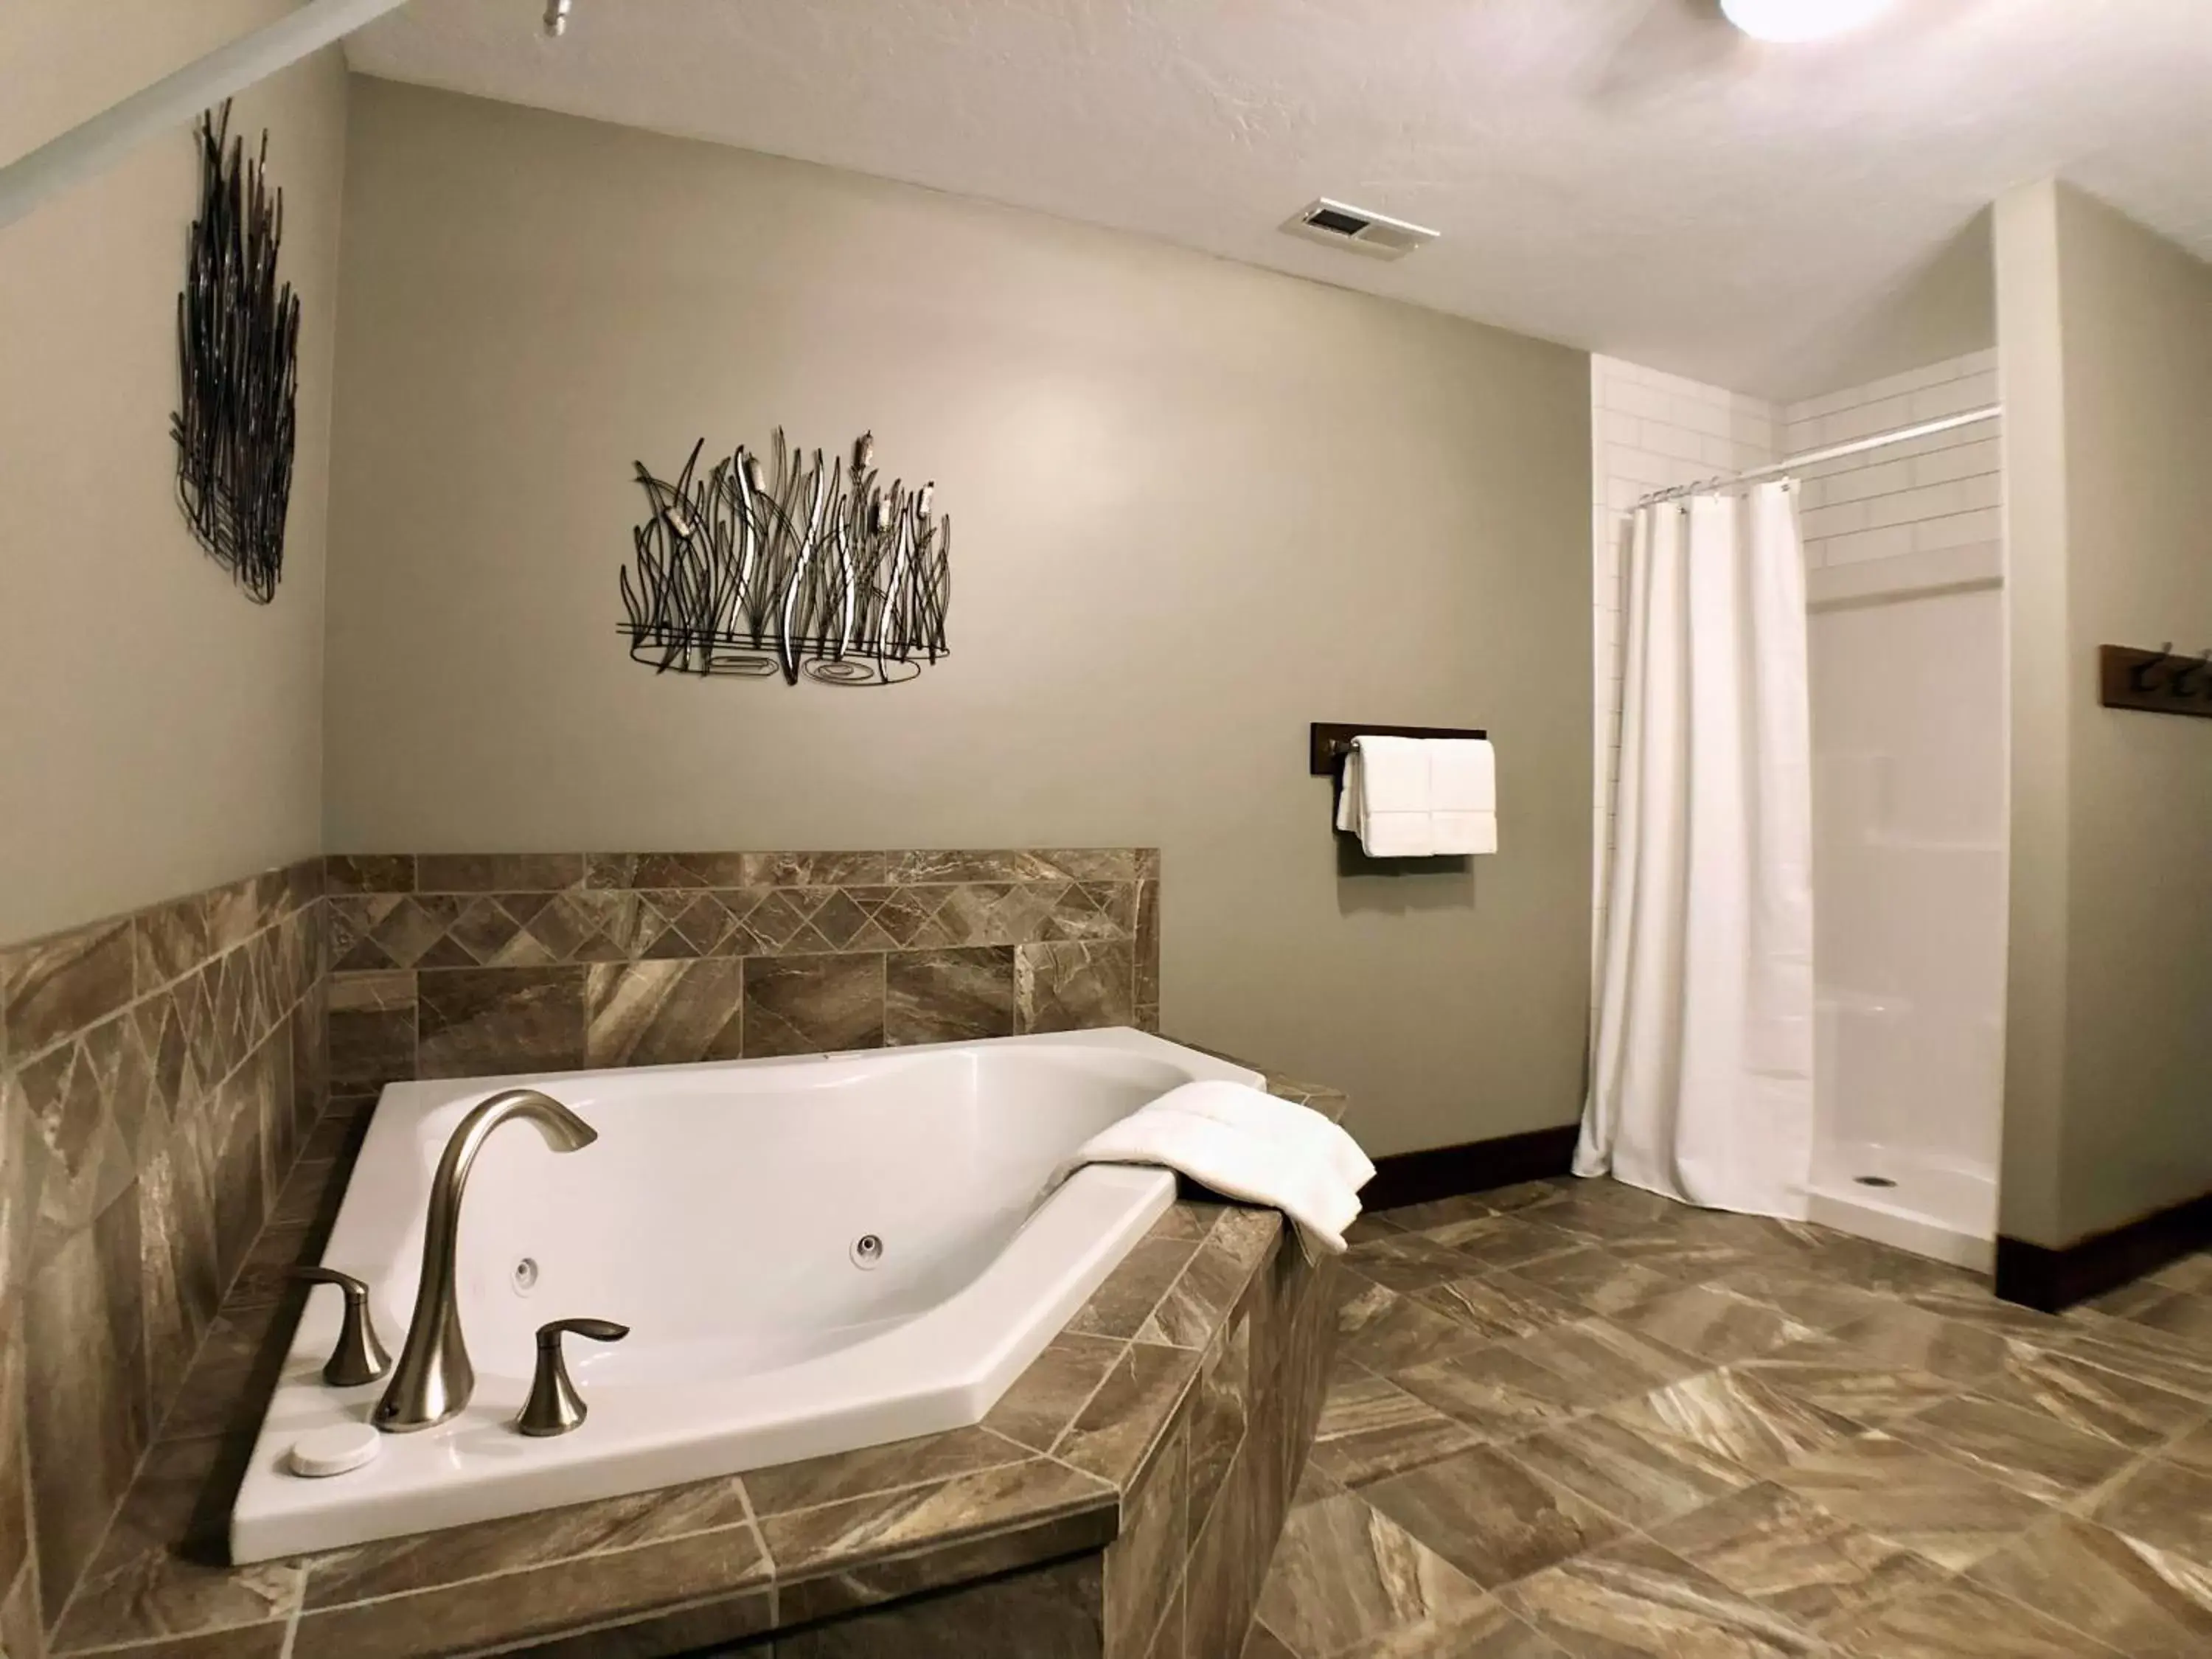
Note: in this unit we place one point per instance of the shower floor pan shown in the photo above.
(1913, 1201)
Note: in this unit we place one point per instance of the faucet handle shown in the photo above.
(359, 1357)
(554, 1406)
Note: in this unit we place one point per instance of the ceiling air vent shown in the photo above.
(1375, 234)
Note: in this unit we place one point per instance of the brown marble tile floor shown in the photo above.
(1572, 1421)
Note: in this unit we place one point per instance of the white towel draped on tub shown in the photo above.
(1420, 796)
(1302, 1130)
(1245, 1145)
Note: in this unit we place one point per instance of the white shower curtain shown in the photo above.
(1701, 1075)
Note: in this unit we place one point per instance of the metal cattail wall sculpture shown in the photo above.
(796, 566)
(238, 354)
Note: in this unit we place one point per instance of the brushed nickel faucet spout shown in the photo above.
(434, 1378)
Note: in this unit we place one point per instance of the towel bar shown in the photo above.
(1332, 741)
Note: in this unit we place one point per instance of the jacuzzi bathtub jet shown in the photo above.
(812, 1255)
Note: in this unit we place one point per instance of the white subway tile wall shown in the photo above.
(1907, 503)
(1927, 512)
(1648, 431)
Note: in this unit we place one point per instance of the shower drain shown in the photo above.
(1873, 1181)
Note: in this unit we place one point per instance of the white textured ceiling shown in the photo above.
(1625, 175)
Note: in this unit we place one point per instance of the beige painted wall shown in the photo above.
(2045, 684)
(158, 732)
(1196, 507)
(1944, 307)
(2109, 1093)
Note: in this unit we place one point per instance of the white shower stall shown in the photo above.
(1906, 568)
(1904, 574)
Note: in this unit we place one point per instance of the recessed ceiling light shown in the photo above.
(1800, 20)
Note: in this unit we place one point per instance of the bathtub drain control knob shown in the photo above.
(333, 1451)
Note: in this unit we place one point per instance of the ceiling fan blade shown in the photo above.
(1674, 44)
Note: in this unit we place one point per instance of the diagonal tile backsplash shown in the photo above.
(454, 965)
(158, 1074)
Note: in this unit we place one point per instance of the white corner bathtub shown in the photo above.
(717, 1215)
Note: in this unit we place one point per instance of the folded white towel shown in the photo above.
(1462, 776)
(1285, 1123)
(1290, 1173)
(1419, 797)
(1464, 832)
(1463, 795)
(1398, 835)
(1351, 798)
(1385, 799)
(1393, 773)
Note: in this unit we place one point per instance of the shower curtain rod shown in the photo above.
(91, 146)
(1856, 446)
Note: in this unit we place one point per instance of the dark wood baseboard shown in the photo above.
(1472, 1166)
(2051, 1280)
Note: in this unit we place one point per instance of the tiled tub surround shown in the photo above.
(159, 1073)
(467, 965)
(1123, 1498)
(1571, 1420)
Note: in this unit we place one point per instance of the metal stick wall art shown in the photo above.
(238, 358)
(796, 566)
